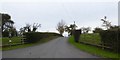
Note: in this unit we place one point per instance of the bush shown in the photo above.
(5, 33)
(110, 38)
(32, 37)
(97, 30)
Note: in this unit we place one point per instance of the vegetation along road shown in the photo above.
(57, 48)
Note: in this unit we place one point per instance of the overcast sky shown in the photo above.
(48, 13)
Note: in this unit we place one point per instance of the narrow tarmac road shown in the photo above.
(57, 48)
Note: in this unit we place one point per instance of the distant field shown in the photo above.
(91, 38)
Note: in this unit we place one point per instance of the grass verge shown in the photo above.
(94, 50)
(30, 44)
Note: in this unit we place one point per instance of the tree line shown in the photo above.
(62, 27)
(7, 27)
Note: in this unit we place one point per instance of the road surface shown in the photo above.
(57, 48)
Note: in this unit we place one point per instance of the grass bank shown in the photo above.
(28, 45)
(93, 50)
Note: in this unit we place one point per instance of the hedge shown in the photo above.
(111, 39)
(32, 37)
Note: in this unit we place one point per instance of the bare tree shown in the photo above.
(106, 23)
(61, 27)
(28, 27)
(35, 26)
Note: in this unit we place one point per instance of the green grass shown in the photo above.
(15, 40)
(91, 38)
(30, 44)
(94, 50)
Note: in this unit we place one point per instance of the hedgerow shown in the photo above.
(111, 39)
(32, 37)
